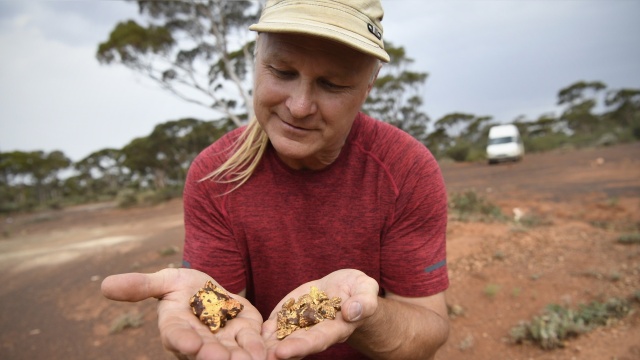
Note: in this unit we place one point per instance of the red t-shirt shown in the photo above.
(380, 208)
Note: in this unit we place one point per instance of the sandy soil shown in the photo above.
(577, 203)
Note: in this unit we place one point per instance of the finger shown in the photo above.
(252, 342)
(180, 356)
(269, 328)
(128, 287)
(363, 301)
(179, 335)
(137, 286)
(212, 348)
(310, 341)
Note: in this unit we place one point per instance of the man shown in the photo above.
(311, 193)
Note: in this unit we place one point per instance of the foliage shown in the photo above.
(592, 116)
(629, 238)
(471, 206)
(29, 179)
(146, 171)
(126, 198)
(557, 323)
(491, 290)
(199, 51)
(396, 97)
(202, 52)
(126, 321)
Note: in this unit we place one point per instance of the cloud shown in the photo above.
(56, 96)
(497, 58)
(506, 58)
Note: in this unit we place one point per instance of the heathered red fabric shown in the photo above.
(380, 207)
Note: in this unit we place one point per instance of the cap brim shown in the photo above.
(350, 39)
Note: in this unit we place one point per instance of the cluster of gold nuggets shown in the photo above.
(213, 306)
(309, 310)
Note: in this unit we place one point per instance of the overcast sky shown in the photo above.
(498, 58)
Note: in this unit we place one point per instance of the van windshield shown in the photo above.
(502, 140)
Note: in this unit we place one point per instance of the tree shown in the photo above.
(460, 135)
(197, 50)
(396, 96)
(581, 100)
(33, 176)
(163, 157)
(575, 93)
(545, 125)
(626, 107)
(99, 174)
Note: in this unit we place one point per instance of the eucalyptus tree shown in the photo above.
(581, 101)
(101, 173)
(460, 135)
(396, 97)
(33, 178)
(625, 108)
(200, 51)
(163, 157)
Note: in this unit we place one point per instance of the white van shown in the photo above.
(504, 144)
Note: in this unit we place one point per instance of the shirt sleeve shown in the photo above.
(413, 261)
(210, 245)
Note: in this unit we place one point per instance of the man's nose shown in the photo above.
(302, 102)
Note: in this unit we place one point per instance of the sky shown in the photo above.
(500, 58)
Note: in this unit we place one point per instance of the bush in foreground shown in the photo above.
(557, 323)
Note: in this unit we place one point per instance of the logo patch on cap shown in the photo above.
(374, 30)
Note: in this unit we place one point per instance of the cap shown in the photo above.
(355, 23)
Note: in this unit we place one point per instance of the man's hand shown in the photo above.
(181, 331)
(359, 295)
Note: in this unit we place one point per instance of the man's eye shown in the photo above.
(331, 86)
(283, 74)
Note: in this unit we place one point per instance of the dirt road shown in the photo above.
(577, 202)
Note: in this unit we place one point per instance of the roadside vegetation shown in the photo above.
(129, 320)
(629, 238)
(557, 324)
(175, 45)
(470, 206)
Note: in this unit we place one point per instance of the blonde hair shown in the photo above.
(247, 152)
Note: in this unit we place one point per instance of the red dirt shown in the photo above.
(51, 264)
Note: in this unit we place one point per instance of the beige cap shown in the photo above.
(355, 23)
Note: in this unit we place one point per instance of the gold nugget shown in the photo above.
(213, 306)
(309, 310)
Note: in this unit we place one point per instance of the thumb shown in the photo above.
(136, 286)
(132, 287)
(353, 311)
(362, 303)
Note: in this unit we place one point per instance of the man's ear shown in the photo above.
(374, 76)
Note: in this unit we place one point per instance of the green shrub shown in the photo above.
(168, 251)
(126, 321)
(126, 198)
(629, 238)
(470, 206)
(491, 290)
(557, 323)
(130, 197)
(154, 197)
(477, 154)
(545, 143)
(458, 152)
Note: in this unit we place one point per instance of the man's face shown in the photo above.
(307, 93)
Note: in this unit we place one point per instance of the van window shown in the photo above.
(502, 140)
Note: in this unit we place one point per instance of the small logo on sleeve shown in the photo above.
(435, 266)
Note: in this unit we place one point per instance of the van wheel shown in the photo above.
(491, 162)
